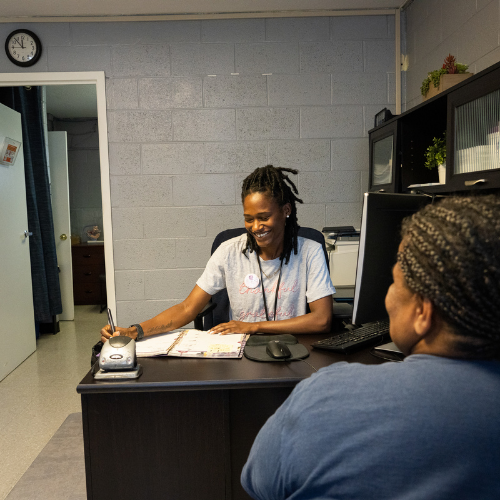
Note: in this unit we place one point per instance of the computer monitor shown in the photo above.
(379, 240)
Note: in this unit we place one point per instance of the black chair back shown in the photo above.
(221, 313)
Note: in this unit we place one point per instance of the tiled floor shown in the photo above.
(38, 395)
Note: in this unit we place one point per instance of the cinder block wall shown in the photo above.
(467, 29)
(194, 106)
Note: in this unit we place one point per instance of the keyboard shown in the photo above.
(356, 339)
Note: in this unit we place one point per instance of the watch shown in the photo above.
(140, 331)
(23, 47)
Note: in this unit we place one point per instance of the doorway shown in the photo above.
(97, 80)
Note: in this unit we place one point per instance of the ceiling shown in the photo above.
(36, 10)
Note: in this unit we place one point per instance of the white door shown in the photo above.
(17, 325)
(59, 184)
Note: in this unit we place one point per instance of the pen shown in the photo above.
(111, 323)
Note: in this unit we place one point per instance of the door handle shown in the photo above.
(27, 234)
(63, 237)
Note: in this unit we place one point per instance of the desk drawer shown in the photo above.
(87, 293)
(87, 255)
(87, 274)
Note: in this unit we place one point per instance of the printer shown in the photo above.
(342, 244)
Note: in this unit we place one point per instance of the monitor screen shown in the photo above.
(382, 161)
(379, 240)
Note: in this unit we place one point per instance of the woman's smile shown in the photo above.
(261, 234)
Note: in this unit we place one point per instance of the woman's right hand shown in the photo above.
(106, 332)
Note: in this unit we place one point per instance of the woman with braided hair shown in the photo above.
(426, 427)
(449, 262)
(277, 281)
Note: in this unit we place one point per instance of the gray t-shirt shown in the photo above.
(304, 279)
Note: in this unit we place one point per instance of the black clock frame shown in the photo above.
(32, 61)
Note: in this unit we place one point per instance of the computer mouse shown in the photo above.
(277, 349)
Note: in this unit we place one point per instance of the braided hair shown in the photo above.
(275, 182)
(451, 255)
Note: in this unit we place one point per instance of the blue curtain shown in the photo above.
(44, 271)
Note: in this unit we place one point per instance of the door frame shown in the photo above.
(77, 78)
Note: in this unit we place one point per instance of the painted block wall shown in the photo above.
(194, 106)
(467, 29)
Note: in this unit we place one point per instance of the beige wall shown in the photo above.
(467, 29)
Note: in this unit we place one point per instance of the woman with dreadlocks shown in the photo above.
(426, 427)
(271, 273)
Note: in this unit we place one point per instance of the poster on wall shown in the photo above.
(8, 150)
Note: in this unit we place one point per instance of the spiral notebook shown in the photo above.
(192, 344)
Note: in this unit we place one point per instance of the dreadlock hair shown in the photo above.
(274, 182)
(451, 255)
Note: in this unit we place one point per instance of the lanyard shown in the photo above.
(264, 293)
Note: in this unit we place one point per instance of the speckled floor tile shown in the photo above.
(37, 397)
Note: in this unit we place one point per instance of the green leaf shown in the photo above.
(436, 153)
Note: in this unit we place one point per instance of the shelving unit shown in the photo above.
(469, 113)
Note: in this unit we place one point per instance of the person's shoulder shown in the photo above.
(345, 383)
(306, 246)
(233, 245)
(308, 242)
(347, 375)
(422, 367)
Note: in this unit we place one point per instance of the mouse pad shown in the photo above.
(255, 348)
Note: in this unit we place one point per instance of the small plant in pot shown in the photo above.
(435, 157)
(450, 67)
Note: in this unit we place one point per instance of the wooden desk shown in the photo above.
(184, 429)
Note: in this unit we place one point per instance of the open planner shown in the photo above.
(192, 344)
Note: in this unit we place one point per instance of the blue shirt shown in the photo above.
(426, 428)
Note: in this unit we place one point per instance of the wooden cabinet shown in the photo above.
(88, 265)
(469, 113)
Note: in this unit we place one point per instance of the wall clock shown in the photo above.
(23, 47)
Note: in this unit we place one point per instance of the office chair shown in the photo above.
(217, 310)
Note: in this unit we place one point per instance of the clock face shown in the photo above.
(23, 47)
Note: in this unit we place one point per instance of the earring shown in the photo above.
(287, 216)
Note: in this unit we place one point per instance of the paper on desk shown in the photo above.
(197, 343)
(158, 345)
(193, 344)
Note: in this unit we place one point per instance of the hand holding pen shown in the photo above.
(110, 330)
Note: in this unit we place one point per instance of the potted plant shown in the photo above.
(435, 156)
(438, 80)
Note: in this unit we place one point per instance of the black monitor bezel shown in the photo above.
(380, 240)
(388, 130)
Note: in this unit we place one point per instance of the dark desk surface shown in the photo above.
(173, 374)
(172, 405)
